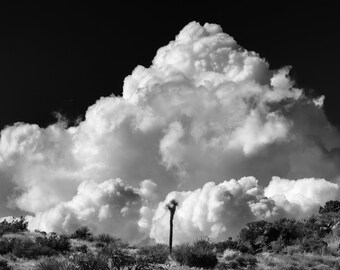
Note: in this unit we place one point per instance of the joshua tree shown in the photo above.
(171, 206)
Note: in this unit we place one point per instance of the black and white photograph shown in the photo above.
(169, 136)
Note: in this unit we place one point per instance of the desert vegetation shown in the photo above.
(286, 244)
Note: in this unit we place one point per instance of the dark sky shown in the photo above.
(62, 58)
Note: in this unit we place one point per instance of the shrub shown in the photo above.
(82, 248)
(109, 239)
(230, 254)
(200, 254)
(233, 265)
(142, 263)
(262, 235)
(228, 244)
(312, 245)
(330, 206)
(291, 250)
(31, 250)
(105, 238)
(246, 260)
(277, 246)
(90, 261)
(253, 230)
(15, 226)
(179, 252)
(204, 243)
(4, 265)
(222, 266)
(41, 232)
(246, 247)
(100, 245)
(6, 245)
(157, 254)
(42, 246)
(54, 264)
(289, 230)
(83, 233)
(240, 261)
(60, 243)
(118, 257)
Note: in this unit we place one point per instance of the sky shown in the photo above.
(108, 112)
(63, 57)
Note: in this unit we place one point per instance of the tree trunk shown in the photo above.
(171, 229)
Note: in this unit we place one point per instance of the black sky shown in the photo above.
(59, 57)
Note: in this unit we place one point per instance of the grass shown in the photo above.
(96, 258)
(297, 261)
(36, 251)
(198, 254)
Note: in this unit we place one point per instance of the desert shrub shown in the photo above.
(222, 266)
(230, 254)
(200, 254)
(233, 265)
(227, 244)
(291, 250)
(315, 226)
(330, 206)
(109, 239)
(289, 230)
(143, 263)
(54, 264)
(40, 232)
(179, 252)
(277, 246)
(56, 242)
(262, 235)
(256, 235)
(238, 261)
(246, 247)
(83, 233)
(90, 261)
(15, 226)
(253, 230)
(100, 245)
(117, 256)
(6, 245)
(155, 254)
(293, 267)
(246, 260)
(312, 245)
(4, 265)
(82, 248)
(204, 243)
(42, 246)
(105, 238)
(31, 250)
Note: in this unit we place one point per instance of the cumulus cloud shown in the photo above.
(205, 110)
(111, 206)
(217, 210)
(214, 210)
(300, 198)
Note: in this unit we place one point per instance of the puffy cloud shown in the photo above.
(206, 109)
(111, 206)
(215, 210)
(218, 210)
(300, 198)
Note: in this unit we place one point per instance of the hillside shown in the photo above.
(282, 244)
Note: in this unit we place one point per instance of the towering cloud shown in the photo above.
(204, 113)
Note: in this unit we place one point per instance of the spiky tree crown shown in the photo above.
(171, 206)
